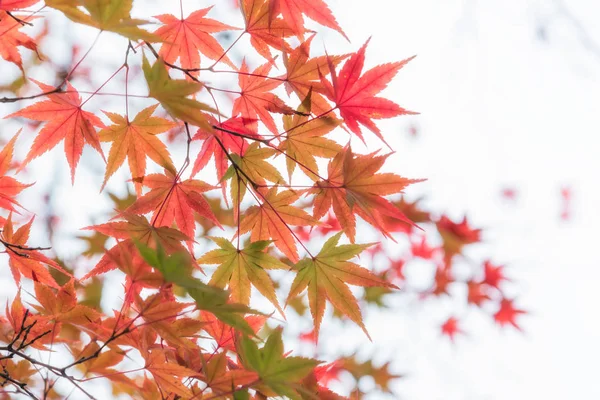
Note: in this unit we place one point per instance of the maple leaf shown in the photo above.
(271, 220)
(66, 120)
(494, 274)
(304, 140)
(354, 187)
(264, 29)
(507, 314)
(220, 379)
(12, 5)
(327, 276)
(476, 293)
(172, 94)
(223, 334)
(106, 15)
(186, 38)
(11, 37)
(24, 260)
(354, 95)
(136, 229)
(302, 75)
(238, 268)
(413, 211)
(208, 298)
(9, 187)
(254, 170)
(172, 200)
(317, 10)
(22, 320)
(161, 316)
(381, 375)
(168, 375)
(422, 249)
(450, 328)
(102, 363)
(455, 236)
(255, 100)
(61, 305)
(232, 143)
(443, 278)
(277, 373)
(135, 140)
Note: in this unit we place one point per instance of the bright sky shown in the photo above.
(508, 94)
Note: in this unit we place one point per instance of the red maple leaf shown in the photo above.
(422, 249)
(451, 328)
(476, 293)
(256, 102)
(233, 143)
(494, 274)
(172, 200)
(354, 95)
(507, 314)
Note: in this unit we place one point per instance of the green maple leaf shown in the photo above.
(176, 269)
(327, 276)
(106, 15)
(277, 372)
(172, 94)
(238, 269)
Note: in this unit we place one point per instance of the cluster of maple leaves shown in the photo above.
(181, 334)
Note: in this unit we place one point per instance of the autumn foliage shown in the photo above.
(202, 314)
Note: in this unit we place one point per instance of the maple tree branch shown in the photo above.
(57, 89)
(222, 55)
(255, 186)
(224, 71)
(268, 143)
(35, 96)
(19, 20)
(184, 70)
(20, 386)
(16, 249)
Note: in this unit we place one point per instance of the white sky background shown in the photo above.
(508, 93)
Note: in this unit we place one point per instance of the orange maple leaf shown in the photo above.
(168, 375)
(24, 260)
(186, 38)
(135, 140)
(9, 187)
(354, 187)
(61, 305)
(11, 37)
(317, 10)
(66, 120)
(272, 218)
(256, 100)
(302, 75)
(11, 5)
(265, 30)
